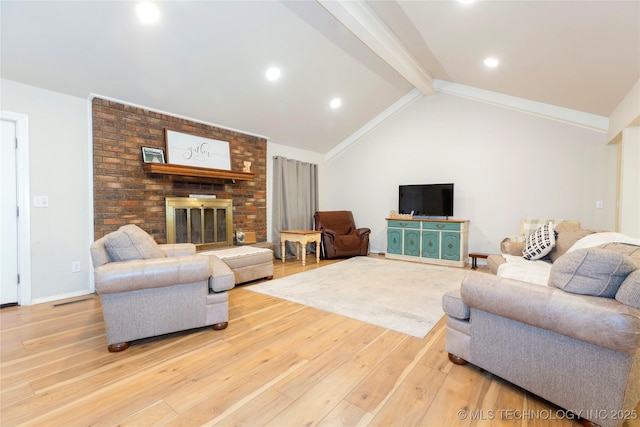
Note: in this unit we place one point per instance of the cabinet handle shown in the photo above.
(440, 225)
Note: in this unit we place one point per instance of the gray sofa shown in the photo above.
(575, 342)
(567, 233)
(147, 289)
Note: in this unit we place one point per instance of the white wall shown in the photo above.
(59, 169)
(273, 150)
(506, 165)
(630, 182)
(625, 113)
(624, 130)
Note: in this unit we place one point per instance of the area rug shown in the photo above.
(398, 295)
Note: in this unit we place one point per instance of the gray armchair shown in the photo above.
(160, 289)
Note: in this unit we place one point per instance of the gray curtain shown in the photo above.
(295, 199)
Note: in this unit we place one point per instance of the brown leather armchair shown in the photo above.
(340, 237)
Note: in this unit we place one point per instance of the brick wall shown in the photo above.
(125, 194)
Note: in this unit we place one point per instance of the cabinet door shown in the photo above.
(394, 241)
(431, 244)
(450, 246)
(412, 242)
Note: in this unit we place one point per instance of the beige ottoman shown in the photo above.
(247, 262)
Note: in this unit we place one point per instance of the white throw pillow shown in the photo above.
(540, 243)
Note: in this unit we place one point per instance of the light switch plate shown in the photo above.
(40, 201)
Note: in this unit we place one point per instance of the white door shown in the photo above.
(8, 215)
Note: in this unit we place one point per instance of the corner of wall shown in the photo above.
(626, 114)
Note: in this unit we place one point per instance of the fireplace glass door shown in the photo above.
(207, 223)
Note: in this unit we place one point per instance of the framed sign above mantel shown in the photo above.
(196, 151)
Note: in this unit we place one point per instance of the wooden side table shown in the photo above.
(474, 258)
(301, 238)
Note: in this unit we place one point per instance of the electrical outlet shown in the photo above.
(75, 267)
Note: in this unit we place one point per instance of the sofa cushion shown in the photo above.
(591, 271)
(529, 225)
(99, 255)
(222, 277)
(630, 250)
(453, 306)
(130, 242)
(629, 292)
(567, 226)
(567, 233)
(494, 262)
(539, 243)
(512, 247)
(242, 256)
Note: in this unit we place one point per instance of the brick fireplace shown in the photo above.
(125, 194)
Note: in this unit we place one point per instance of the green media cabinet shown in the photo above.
(433, 241)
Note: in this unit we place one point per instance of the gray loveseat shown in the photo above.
(560, 342)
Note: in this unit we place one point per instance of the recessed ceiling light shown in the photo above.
(335, 103)
(273, 74)
(148, 12)
(491, 62)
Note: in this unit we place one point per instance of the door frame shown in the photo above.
(23, 200)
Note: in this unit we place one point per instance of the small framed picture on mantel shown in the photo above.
(152, 155)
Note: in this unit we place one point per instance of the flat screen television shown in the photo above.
(426, 200)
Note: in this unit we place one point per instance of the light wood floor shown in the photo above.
(277, 364)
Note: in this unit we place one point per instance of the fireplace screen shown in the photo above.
(207, 223)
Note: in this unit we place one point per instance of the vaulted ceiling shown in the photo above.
(206, 60)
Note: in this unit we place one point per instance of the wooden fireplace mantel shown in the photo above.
(171, 169)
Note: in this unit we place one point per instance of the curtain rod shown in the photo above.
(294, 160)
